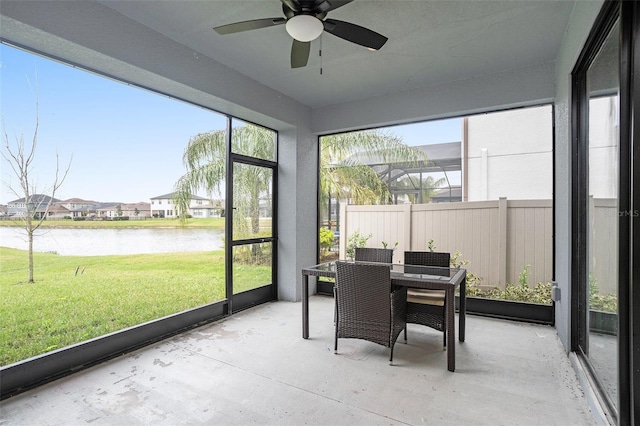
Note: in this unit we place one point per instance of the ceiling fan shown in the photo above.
(305, 21)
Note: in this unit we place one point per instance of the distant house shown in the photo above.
(207, 209)
(108, 210)
(37, 203)
(448, 195)
(58, 211)
(131, 210)
(79, 207)
(3, 210)
(136, 210)
(163, 206)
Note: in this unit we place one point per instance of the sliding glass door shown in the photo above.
(605, 209)
(600, 290)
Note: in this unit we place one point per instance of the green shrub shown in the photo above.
(522, 292)
(601, 302)
(540, 293)
(472, 280)
(385, 245)
(354, 241)
(326, 239)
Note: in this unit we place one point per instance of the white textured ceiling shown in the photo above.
(430, 42)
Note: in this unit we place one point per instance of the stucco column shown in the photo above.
(297, 209)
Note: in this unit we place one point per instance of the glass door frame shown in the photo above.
(628, 357)
(247, 299)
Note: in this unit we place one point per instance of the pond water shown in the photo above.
(100, 242)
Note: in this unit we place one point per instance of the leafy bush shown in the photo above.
(601, 302)
(522, 292)
(79, 218)
(604, 303)
(326, 239)
(540, 293)
(472, 280)
(385, 245)
(354, 241)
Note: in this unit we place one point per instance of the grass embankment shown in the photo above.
(215, 223)
(107, 294)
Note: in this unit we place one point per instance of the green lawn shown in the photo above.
(107, 294)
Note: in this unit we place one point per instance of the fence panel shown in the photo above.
(603, 253)
(497, 237)
(529, 240)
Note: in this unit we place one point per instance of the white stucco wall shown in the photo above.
(510, 154)
(603, 147)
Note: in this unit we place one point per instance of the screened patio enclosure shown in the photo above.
(441, 60)
(443, 159)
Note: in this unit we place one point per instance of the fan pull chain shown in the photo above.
(320, 54)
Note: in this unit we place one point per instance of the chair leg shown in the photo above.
(405, 334)
(391, 356)
(335, 346)
(335, 308)
(444, 337)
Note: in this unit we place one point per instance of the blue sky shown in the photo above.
(125, 144)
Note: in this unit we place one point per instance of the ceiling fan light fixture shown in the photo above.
(304, 27)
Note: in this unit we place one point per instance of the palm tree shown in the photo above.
(205, 159)
(343, 173)
(343, 170)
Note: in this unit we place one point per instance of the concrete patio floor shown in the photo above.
(255, 368)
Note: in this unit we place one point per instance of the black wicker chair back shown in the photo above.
(423, 306)
(366, 254)
(367, 307)
(427, 258)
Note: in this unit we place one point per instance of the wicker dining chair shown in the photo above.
(366, 254)
(427, 307)
(367, 307)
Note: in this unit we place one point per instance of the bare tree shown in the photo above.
(21, 157)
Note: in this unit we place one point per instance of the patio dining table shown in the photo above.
(424, 277)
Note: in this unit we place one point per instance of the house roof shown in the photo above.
(170, 195)
(133, 206)
(77, 200)
(57, 208)
(36, 199)
(441, 157)
(455, 192)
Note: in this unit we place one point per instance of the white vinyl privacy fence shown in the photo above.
(498, 237)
